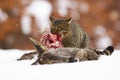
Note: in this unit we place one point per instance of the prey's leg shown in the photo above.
(28, 56)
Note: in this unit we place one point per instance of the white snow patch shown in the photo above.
(63, 5)
(106, 68)
(104, 41)
(103, 38)
(41, 10)
(100, 30)
(26, 24)
(84, 7)
(3, 16)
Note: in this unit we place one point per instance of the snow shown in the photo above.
(26, 24)
(41, 10)
(103, 39)
(106, 68)
(84, 7)
(63, 5)
(3, 16)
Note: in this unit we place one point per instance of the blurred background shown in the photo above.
(20, 19)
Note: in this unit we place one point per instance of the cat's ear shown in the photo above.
(52, 18)
(69, 20)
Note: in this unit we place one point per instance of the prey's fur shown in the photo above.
(63, 55)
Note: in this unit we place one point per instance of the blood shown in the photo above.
(52, 40)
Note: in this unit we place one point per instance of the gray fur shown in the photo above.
(64, 55)
(72, 34)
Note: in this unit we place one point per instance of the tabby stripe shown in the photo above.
(107, 52)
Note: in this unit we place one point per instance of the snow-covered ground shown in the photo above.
(106, 68)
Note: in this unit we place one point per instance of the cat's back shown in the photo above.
(76, 27)
(80, 37)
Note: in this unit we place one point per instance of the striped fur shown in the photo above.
(72, 34)
(64, 55)
(108, 51)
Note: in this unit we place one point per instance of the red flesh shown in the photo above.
(52, 40)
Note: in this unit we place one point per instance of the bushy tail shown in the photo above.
(108, 51)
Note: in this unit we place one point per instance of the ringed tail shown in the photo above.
(108, 51)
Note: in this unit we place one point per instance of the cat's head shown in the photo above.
(60, 26)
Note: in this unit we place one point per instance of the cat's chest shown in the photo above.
(68, 41)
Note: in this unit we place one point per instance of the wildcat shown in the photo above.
(65, 55)
(71, 33)
(72, 36)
